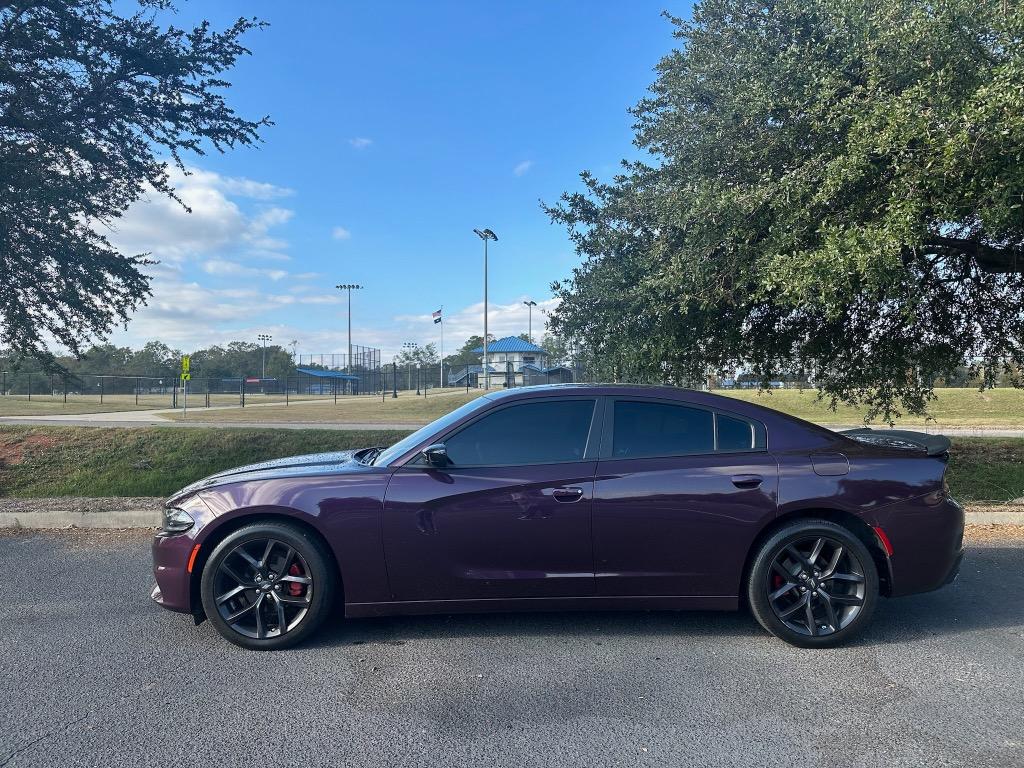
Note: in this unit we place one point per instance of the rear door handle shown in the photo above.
(567, 495)
(747, 481)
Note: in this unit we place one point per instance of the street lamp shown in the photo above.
(531, 304)
(264, 337)
(349, 287)
(485, 235)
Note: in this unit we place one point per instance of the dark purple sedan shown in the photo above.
(550, 498)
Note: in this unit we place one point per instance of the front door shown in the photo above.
(510, 518)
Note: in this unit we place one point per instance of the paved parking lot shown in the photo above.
(93, 674)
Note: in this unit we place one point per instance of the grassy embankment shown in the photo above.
(89, 461)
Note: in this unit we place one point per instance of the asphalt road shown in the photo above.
(93, 674)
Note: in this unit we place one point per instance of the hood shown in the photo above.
(310, 463)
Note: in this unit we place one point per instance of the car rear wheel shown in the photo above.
(268, 586)
(813, 584)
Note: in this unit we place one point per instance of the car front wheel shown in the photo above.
(813, 584)
(268, 586)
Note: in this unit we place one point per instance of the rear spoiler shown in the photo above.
(931, 445)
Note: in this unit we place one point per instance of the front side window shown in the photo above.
(660, 429)
(544, 432)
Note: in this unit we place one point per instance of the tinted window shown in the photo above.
(411, 441)
(661, 429)
(734, 434)
(530, 433)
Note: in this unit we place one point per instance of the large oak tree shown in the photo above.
(834, 187)
(93, 104)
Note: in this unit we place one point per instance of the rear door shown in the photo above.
(510, 518)
(679, 494)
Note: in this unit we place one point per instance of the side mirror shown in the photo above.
(436, 455)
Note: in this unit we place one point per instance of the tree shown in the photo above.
(465, 355)
(418, 355)
(92, 105)
(833, 189)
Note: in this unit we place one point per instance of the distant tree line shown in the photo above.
(156, 359)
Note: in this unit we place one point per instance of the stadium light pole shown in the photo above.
(531, 304)
(264, 337)
(349, 287)
(485, 235)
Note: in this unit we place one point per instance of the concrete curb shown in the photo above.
(150, 518)
(130, 518)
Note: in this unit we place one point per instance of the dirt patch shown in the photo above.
(14, 447)
(989, 534)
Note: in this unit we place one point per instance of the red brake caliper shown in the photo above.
(294, 588)
(776, 581)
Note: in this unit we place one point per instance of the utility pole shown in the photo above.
(485, 235)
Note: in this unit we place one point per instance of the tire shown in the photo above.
(841, 601)
(261, 573)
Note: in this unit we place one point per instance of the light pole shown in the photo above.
(531, 304)
(485, 235)
(409, 346)
(264, 337)
(349, 287)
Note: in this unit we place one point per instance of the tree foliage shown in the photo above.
(92, 105)
(834, 188)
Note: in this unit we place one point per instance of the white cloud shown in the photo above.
(225, 267)
(522, 168)
(509, 319)
(360, 142)
(340, 233)
(158, 225)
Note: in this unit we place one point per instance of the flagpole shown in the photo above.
(442, 347)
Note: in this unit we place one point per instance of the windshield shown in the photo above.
(388, 455)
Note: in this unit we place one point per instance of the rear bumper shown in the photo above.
(927, 536)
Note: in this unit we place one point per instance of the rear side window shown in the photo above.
(735, 434)
(546, 432)
(660, 429)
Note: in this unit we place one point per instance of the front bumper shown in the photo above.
(171, 553)
(173, 588)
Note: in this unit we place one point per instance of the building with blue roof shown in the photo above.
(512, 361)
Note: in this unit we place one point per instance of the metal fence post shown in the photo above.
(101, 390)
(394, 380)
(286, 388)
(241, 388)
(467, 378)
(3, 388)
(174, 394)
(65, 381)
(136, 390)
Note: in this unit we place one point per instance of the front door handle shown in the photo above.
(567, 495)
(747, 481)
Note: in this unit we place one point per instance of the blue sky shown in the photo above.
(397, 132)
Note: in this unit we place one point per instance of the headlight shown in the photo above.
(177, 520)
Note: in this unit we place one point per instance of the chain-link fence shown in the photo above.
(310, 384)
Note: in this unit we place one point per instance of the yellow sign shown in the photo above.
(186, 377)
(186, 361)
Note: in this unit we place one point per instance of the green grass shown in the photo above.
(965, 407)
(986, 469)
(92, 461)
(45, 405)
(407, 408)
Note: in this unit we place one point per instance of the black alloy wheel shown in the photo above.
(267, 586)
(813, 584)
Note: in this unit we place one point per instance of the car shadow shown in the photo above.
(968, 605)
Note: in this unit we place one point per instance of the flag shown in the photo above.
(437, 317)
